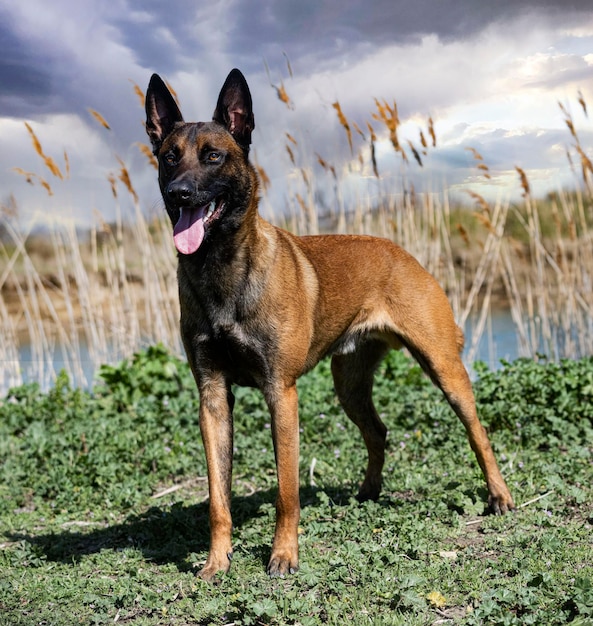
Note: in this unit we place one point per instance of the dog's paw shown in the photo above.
(501, 504)
(214, 566)
(279, 566)
(370, 488)
(369, 491)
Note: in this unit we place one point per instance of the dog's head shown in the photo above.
(204, 175)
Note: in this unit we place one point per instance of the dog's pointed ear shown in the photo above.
(234, 109)
(162, 112)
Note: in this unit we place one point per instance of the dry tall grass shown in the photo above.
(98, 297)
(102, 296)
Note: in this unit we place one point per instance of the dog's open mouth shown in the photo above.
(189, 231)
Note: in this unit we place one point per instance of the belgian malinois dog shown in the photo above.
(260, 307)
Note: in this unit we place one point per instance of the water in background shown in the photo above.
(32, 369)
(499, 341)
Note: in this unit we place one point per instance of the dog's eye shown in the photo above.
(170, 158)
(214, 157)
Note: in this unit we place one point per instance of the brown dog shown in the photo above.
(260, 307)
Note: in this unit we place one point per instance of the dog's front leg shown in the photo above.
(216, 426)
(283, 406)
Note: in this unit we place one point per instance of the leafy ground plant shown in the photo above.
(103, 504)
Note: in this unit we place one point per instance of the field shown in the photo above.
(103, 512)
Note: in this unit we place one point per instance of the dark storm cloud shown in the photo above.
(37, 77)
(23, 73)
(41, 76)
(161, 34)
(314, 29)
(83, 59)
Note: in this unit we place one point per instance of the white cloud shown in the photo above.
(90, 159)
(496, 91)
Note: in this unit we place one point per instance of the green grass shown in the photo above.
(84, 542)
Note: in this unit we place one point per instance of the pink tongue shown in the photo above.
(189, 230)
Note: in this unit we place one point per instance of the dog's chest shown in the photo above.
(246, 355)
(244, 350)
(225, 329)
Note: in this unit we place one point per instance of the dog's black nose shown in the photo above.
(180, 192)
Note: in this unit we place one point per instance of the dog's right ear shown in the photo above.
(162, 112)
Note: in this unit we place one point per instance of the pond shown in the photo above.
(499, 341)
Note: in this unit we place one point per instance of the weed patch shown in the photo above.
(103, 504)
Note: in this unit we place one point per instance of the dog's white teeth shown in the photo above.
(211, 208)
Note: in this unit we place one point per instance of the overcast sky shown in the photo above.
(490, 74)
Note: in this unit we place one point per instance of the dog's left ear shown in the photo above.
(234, 109)
(162, 112)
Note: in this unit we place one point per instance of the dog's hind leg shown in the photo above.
(438, 354)
(353, 378)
